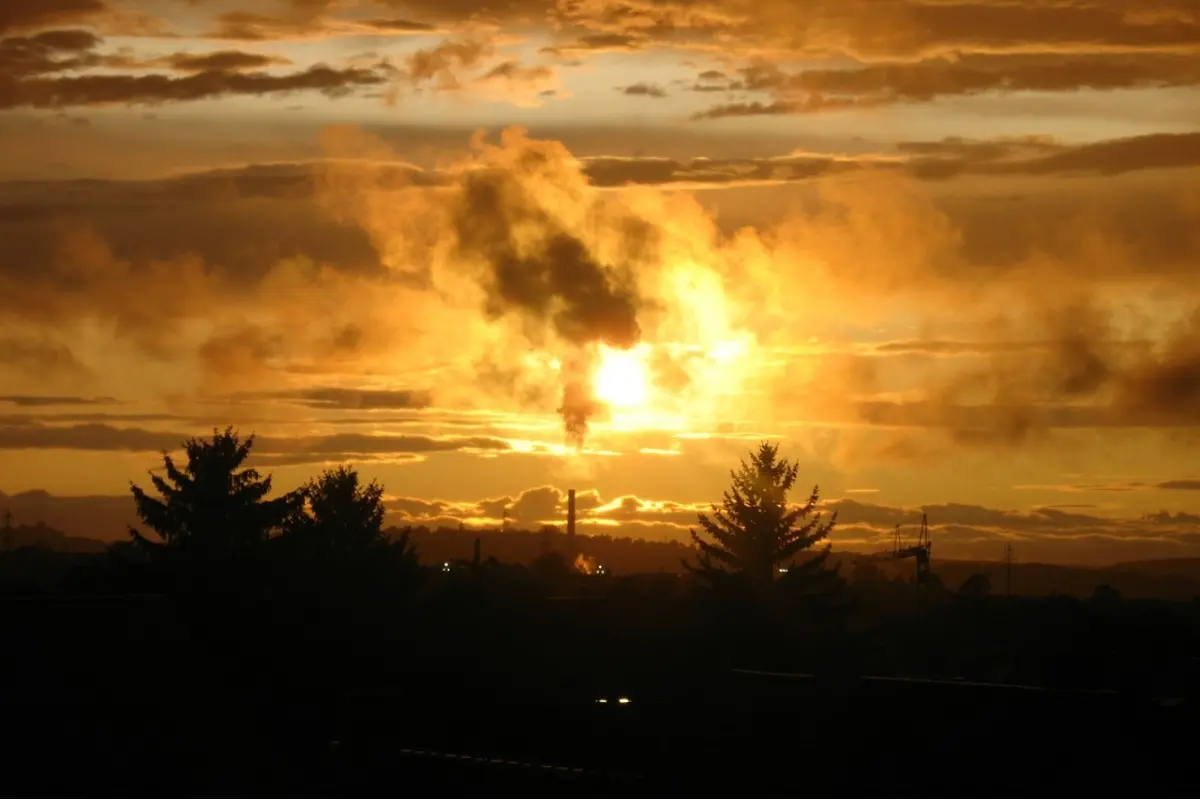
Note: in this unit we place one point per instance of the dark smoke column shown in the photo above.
(535, 269)
(578, 403)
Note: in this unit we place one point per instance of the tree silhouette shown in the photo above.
(210, 509)
(754, 531)
(339, 513)
(341, 518)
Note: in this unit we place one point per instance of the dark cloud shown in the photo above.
(400, 26)
(519, 77)
(37, 401)
(47, 52)
(644, 89)
(1112, 157)
(20, 15)
(222, 61)
(329, 397)
(1186, 484)
(917, 29)
(31, 435)
(816, 90)
(595, 43)
(150, 89)
(811, 104)
(95, 437)
(32, 67)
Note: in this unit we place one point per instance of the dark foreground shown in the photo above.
(449, 735)
(100, 701)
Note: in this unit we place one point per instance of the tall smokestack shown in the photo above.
(571, 514)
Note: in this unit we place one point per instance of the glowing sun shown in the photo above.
(622, 379)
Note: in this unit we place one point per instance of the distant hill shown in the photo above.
(43, 536)
(1182, 567)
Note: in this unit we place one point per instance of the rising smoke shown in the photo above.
(533, 266)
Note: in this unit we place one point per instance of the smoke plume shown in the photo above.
(532, 265)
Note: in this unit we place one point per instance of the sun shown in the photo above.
(622, 379)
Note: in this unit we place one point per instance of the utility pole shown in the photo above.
(1008, 555)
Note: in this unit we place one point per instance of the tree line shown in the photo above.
(212, 512)
(307, 586)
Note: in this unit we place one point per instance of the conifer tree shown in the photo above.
(755, 531)
(210, 509)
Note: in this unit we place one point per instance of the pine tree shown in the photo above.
(755, 530)
(210, 509)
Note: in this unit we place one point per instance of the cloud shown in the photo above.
(643, 89)
(94, 437)
(47, 52)
(223, 61)
(817, 90)
(810, 104)
(399, 26)
(511, 81)
(272, 450)
(24, 16)
(330, 397)
(40, 357)
(443, 63)
(594, 43)
(34, 401)
(253, 27)
(49, 69)
(1187, 484)
(475, 65)
(150, 89)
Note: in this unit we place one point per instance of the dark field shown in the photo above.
(105, 697)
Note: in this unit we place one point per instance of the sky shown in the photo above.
(945, 252)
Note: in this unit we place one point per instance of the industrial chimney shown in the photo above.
(571, 514)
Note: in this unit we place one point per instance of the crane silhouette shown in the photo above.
(921, 551)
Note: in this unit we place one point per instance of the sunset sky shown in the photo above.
(947, 252)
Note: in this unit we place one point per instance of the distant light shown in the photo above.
(623, 700)
(602, 700)
(783, 569)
